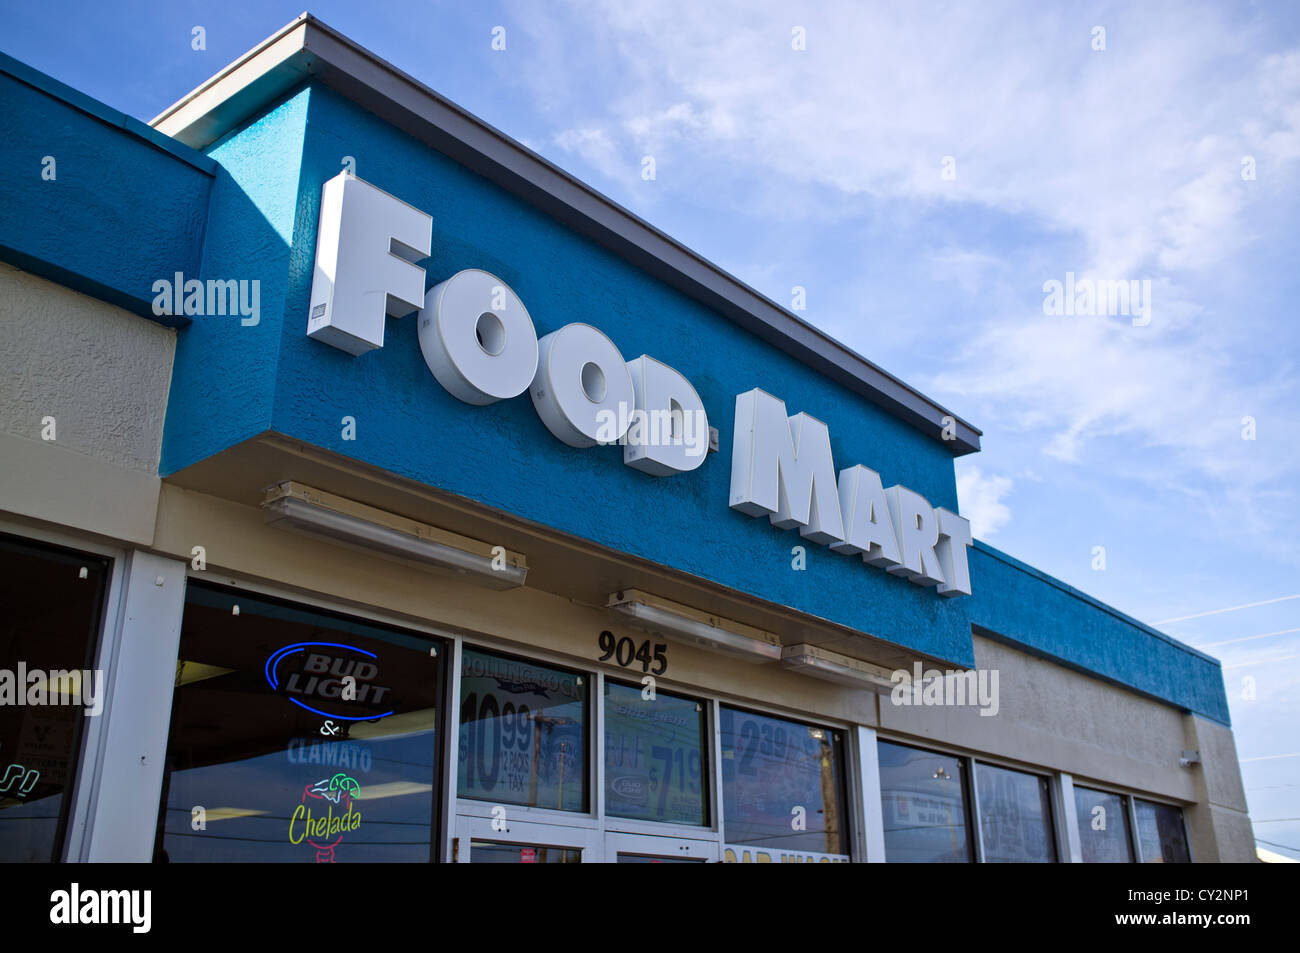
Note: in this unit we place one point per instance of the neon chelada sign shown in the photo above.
(319, 664)
(338, 791)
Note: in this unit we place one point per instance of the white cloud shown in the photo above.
(1135, 152)
(1136, 148)
(979, 497)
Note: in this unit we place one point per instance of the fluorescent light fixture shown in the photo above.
(684, 624)
(830, 666)
(307, 510)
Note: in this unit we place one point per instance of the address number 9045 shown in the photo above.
(624, 651)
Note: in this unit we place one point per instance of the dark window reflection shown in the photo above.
(1015, 816)
(782, 784)
(923, 800)
(523, 733)
(655, 767)
(298, 736)
(51, 601)
(1103, 827)
(1161, 833)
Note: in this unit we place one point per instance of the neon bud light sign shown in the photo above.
(325, 678)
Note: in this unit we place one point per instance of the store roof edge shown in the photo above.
(307, 48)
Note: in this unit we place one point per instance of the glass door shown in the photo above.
(487, 840)
(654, 849)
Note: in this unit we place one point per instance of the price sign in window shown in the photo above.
(782, 784)
(923, 803)
(523, 733)
(1015, 816)
(654, 756)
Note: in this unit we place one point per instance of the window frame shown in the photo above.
(440, 838)
(1126, 800)
(72, 833)
(975, 849)
(1059, 851)
(633, 825)
(846, 779)
(1182, 818)
(543, 813)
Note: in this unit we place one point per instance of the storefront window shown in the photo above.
(655, 766)
(523, 733)
(1103, 827)
(299, 735)
(923, 801)
(1015, 816)
(51, 600)
(782, 785)
(1161, 834)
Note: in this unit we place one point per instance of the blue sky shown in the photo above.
(823, 168)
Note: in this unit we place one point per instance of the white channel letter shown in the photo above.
(478, 338)
(868, 526)
(581, 378)
(954, 538)
(782, 466)
(365, 248)
(662, 390)
(918, 532)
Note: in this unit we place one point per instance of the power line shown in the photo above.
(1248, 638)
(1270, 757)
(1262, 661)
(1249, 605)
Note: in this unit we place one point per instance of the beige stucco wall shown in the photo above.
(1220, 827)
(103, 374)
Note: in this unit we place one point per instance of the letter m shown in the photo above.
(782, 467)
(223, 296)
(1112, 297)
(116, 905)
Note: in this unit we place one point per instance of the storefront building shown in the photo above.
(375, 491)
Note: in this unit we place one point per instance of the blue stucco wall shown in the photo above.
(503, 456)
(1016, 603)
(127, 205)
(223, 382)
